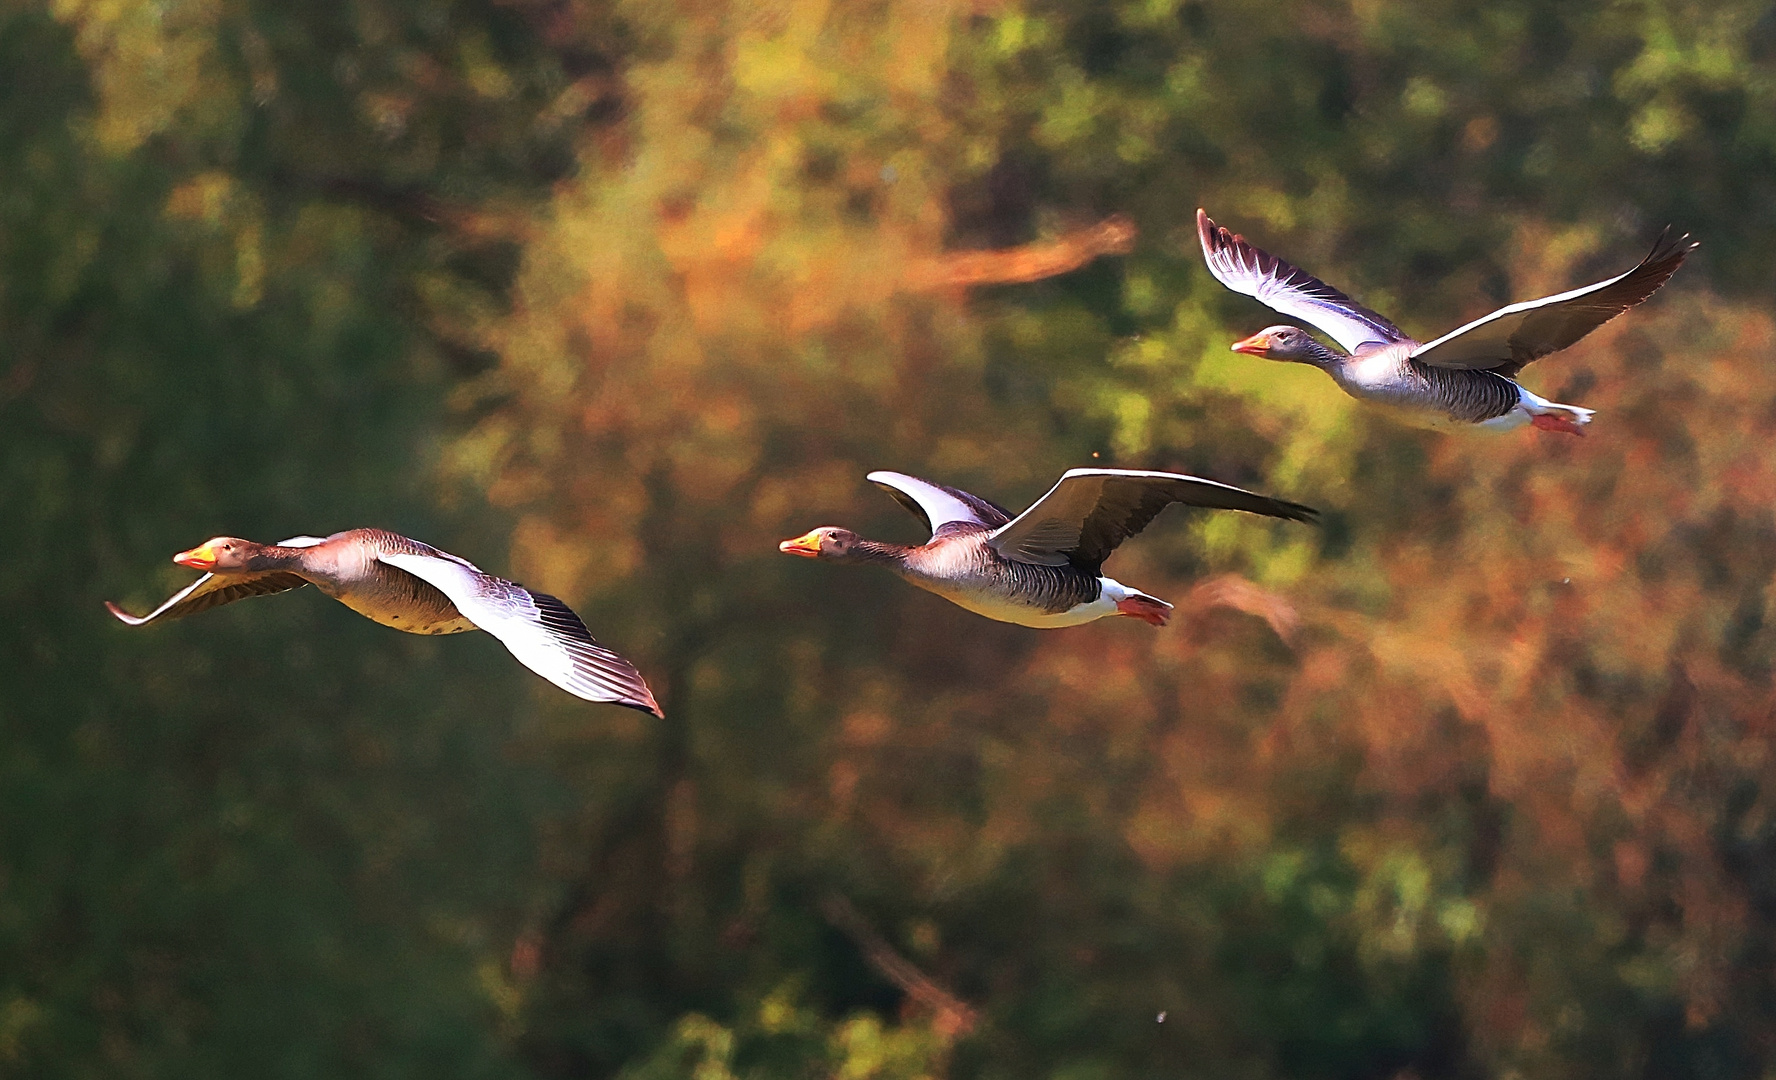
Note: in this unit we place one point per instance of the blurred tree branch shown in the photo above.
(952, 1015)
(1115, 235)
(1234, 591)
(413, 204)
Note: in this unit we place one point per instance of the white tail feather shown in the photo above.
(1541, 406)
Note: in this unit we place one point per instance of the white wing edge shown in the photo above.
(1525, 305)
(940, 506)
(1038, 531)
(1145, 473)
(1040, 537)
(137, 620)
(1157, 475)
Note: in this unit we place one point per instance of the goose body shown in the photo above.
(1427, 396)
(964, 570)
(1464, 379)
(1041, 568)
(413, 587)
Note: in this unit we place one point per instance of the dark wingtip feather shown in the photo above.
(1664, 260)
(1297, 512)
(1668, 247)
(1215, 238)
(123, 616)
(622, 679)
(649, 706)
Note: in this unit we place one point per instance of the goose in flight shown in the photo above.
(1466, 377)
(1042, 567)
(413, 587)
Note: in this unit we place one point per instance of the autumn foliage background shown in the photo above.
(611, 295)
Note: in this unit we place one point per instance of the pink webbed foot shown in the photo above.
(1548, 422)
(1145, 608)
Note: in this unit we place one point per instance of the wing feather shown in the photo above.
(541, 631)
(1289, 290)
(212, 590)
(1089, 512)
(1510, 338)
(938, 505)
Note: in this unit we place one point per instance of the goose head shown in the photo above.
(1287, 343)
(826, 542)
(223, 553)
(231, 554)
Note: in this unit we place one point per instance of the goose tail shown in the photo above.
(1553, 416)
(1149, 609)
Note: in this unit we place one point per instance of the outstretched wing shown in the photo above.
(211, 590)
(541, 631)
(1511, 337)
(938, 505)
(1289, 290)
(1084, 517)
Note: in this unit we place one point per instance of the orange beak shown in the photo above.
(202, 557)
(1256, 345)
(808, 547)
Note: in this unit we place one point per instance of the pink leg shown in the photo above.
(1555, 423)
(1145, 608)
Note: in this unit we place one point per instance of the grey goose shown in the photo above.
(1464, 378)
(1041, 568)
(414, 587)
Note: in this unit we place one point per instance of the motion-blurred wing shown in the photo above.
(938, 505)
(1289, 290)
(542, 632)
(1084, 517)
(1511, 337)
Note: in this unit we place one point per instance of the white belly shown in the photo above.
(1003, 609)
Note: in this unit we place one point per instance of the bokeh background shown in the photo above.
(612, 295)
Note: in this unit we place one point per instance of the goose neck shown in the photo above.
(272, 557)
(1322, 356)
(878, 551)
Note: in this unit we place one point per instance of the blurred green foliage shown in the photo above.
(611, 295)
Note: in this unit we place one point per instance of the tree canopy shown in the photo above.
(611, 296)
